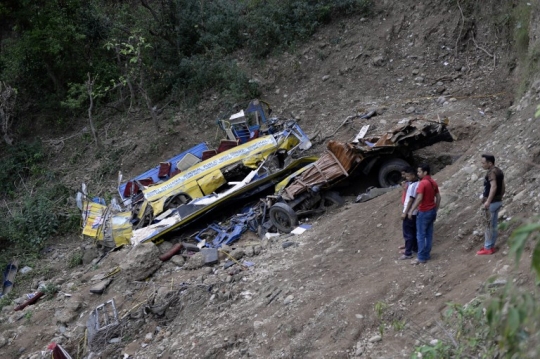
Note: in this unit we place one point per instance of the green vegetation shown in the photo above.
(380, 308)
(504, 325)
(50, 290)
(28, 316)
(141, 53)
(520, 22)
(76, 259)
(30, 213)
(35, 217)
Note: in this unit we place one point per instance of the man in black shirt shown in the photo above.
(494, 189)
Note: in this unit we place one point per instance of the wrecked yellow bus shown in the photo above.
(160, 208)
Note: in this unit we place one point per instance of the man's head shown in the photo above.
(410, 174)
(403, 173)
(423, 170)
(488, 161)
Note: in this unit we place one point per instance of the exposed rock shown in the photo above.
(89, 255)
(288, 300)
(178, 260)
(101, 286)
(249, 250)
(237, 253)
(497, 283)
(378, 61)
(288, 244)
(25, 270)
(257, 250)
(65, 315)
(195, 261)
(141, 262)
(148, 337)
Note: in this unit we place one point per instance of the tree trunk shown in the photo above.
(8, 99)
(89, 89)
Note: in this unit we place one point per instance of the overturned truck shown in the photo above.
(308, 190)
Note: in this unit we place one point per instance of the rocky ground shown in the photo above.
(338, 291)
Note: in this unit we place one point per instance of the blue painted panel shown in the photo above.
(153, 173)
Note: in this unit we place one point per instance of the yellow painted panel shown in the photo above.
(177, 183)
(93, 219)
(211, 182)
(121, 228)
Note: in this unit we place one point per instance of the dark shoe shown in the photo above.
(404, 256)
(484, 251)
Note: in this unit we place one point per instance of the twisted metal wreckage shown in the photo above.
(267, 153)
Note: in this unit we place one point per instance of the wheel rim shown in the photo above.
(393, 178)
(283, 219)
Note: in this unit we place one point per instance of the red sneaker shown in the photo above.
(483, 251)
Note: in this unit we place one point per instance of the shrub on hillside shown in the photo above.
(36, 217)
(20, 162)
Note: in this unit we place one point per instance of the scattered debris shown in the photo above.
(35, 297)
(100, 323)
(373, 192)
(9, 277)
(101, 286)
(58, 352)
(171, 252)
(25, 270)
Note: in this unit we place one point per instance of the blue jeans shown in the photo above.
(424, 234)
(491, 227)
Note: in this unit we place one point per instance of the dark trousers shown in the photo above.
(409, 234)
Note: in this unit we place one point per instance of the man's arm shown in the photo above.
(416, 203)
(409, 205)
(492, 192)
(437, 201)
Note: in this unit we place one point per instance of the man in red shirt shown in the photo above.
(427, 201)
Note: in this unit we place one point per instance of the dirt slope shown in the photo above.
(318, 298)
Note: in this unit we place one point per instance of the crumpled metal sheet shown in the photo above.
(340, 158)
(417, 130)
(337, 161)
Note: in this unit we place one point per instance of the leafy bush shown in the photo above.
(506, 324)
(76, 259)
(37, 217)
(191, 46)
(20, 161)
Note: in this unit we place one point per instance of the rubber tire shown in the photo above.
(334, 199)
(283, 217)
(387, 175)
